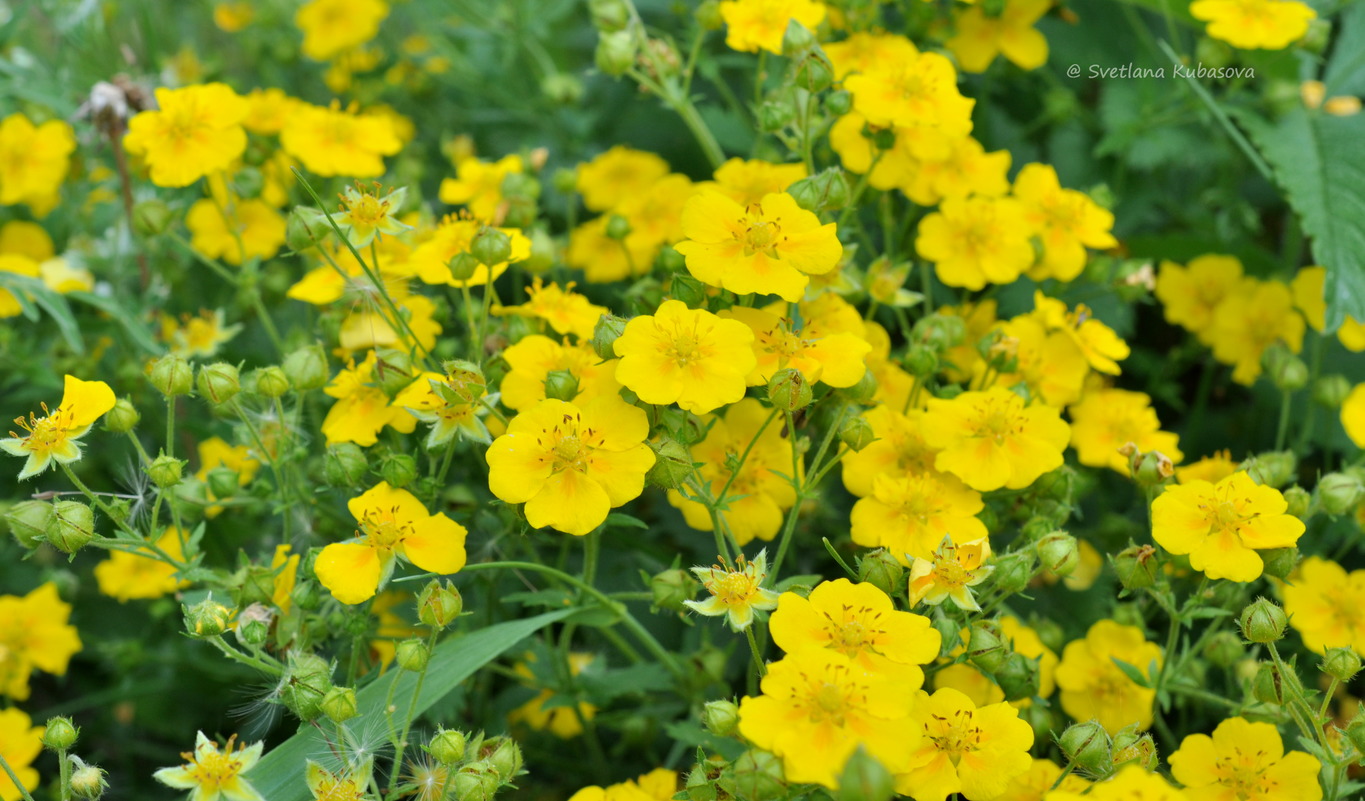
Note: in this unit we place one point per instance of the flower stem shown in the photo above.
(759, 666)
(15, 779)
(402, 743)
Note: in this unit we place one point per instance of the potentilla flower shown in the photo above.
(34, 160)
(769, 247)
(659, 784)
(209, 772)
(431, 399)
(981, 37)
(860, 622)
(1212, 468)
(1190, 294)
(335, 141)
(20, 743)
(819, 706)
(362, 409)
(1131, 783)
(754, 25)
(331, 27)
(991, 440)
(1221, 526)
(655, 215)
(616, 175)
(899, 449)
(454, 237)
(478, 185)
(689, 357)
(1309, 288)
(910, 514)
(1037, 782)
(1049, 363)
(15, 264)
(393, 524)
(34, 635)
(572, 465)
(246, 229)
(56, 435)
(735, 591)
(533, 358)
(963, 749)
(975, 241)
(364, 214)
(1353, 415)
(604, 258)
(1066, 221)
(1103, 348)
(1105, 420)
(195, 131)
(1244, 761)
(1255, 24)
(564, 722)
(1254, 316)
(567, 312)
(915, 92)
(1094, 687)
(348, 785)
(962, 168)
(286, 568)
(835, 359)
(1326, 605)
(370, 328)
(748, 181)
(951, 572)
(139, 576)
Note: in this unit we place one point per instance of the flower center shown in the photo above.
(568, 453)
(760, 237)
(1244, 774)
(385, 533)
(954, 735)
(685, 348)
(44, 433)
(733, 589)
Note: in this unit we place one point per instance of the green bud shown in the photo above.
(307, 678)
(1132, 747)
(1262, 621)
(862, 392)
(344, 465)
(1341, 663)
(478, 781)
(462, 266)
(491, 246)
(789, 390)
(1339, 493)
(1224, 649)
(1059, 553)
(165, 471)
(1318, 35)
(399, 469)
(254, 584)
(814, 72)
(223, 481)
(755, 776)
(880, 569)
(839, 102)
(618, 227)
(208, 618)
(1279, 562)
(884, 138)
(151, 218)
(669, 588)
(796, 39)
(71, 527)
(219, 382)
(985, 648)
(270, 382)
(60, 734)
(1013, 572)
(708, 15)
(1272, 469)
(921, 360)
(28, 522)
(1089, 747)
(1136, 567)
(561, 385)
(1299, 501)
(306, 368)
(305, 228)
(1331, 390)
(394, 370)
(856, 433)
(824, 191)
(687, 289)
(253, 625)
(504, 755)
(87, 781)
(439, 604)
(609, 15)
(1268, 685)
(447, 747)
(339, 704)
(615, 52)
(562, 88)
(1150, 469)
(308, 595)
(412, 655)
(172, 376)
(1355, 731)
(940, 331)
(609, 329)
(721, 717)
(672, 464)
(865, 779)
(122, 418)
(1018, 677)
(1213, 53)
(774, 115)
(1290, 375)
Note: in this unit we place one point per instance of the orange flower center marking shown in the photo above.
(1244, 774)
(385, 533)
(954, 735)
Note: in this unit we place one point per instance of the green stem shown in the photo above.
(402, 744)
(170, 425)
(64, 771)
(1282, 430)
(237, 656)
(10, 772)
(759, 666)
(1240, 140)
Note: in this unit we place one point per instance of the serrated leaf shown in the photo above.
(1132, 672)
(1345, 73)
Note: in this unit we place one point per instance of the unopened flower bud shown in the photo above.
(1331, 390)
(412, 655)
(87, 781)
(1132, 747)
(1299, 502)
(491, 246)
(796, 39)
(721, 717)
(774, 115)
(1262, 621)
(270, 382)
(439, 604)
(1290, 375)
(862, 392)
(616, 52)
(1018, 677)
(940, 331)
(1224, 649)
(1279, 562)
(669, 588)
(1273, 468)
(1088, 746)
(687, 289)
(814, 72)
(561, 385)
(172, 376)
(856, 433)
(504, 755)
(28, 522)
(825, 191)
(985, 648)
(306, 368)
(880, 569)
(60, 734)
(447, 747)
(672, 464)
(462, 266)
(165, 471)
(339, 704)
(1340, 493)
(1268, 685)
(253, 625)
(789, 390)
(883, 138)
(344, 465)
(865, 779)
(306, 227)
(921, 360)
(609, 15)
(1014, 571)
(208, 618)
(1150, 468)
(839, 102)
(756, 775)
(223, 481)
(1136, 567)
(1059, 553)
(308, 595)
(399, 469)
(708, 16)
(1341, 663)
(151, 217)
(477, 781)
(307, 679)
(608, 329)
(219, 383)
(72, 526)
(122, 418)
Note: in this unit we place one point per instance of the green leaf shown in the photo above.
(609, 685)
(279, 774)
(622, 520)
(1132, 672)
(1318, 161)
(1345, 73)
(50, 302)
(131, 322)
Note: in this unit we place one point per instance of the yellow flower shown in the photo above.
(365, 215)
(919, 91)
(1049, 363)
(454, 236)
(562, 721)
(835, 359)
(981, 37)
(362, 409)
(1308, 288)
(20, 744)
(56, 435)
(531, 361)
(1107, 419)
(758, 496)
(33, 161)
(233, 16)
(566, 311)
(616, 175)
(26, 239)
(864, 51)
(659, 784)
(1094, 688)
(962, 168)
(747, 182)
(1352, 335)
(34, 635)
(333, 26)
(990, 440)
(1212, 469)
(393, 524)
(1246, 761)
(282, 588)
(1256, 315)
(368, 329)
(1035, 783)
(1189, 295)
(909, 514)
(214, 453)
(655, 215)
(603, 258)
(1254, 24)
(769, 247)
(689, 357)
(347, 785)
(433, 399)
(975, 241)
(59, 276)
(210, 772)
(1353, 415)
(963, 749)
(247, 229)
(899, 449)
(1065, 220)
(818, 707)
(1326, 605)
(332, 141)
(126, 576)
(195, 131)
(15, 264)
(571, 465)
(860, 622)
(1221, 526)
(478, 185)
(951, 572)
(197, 337)
(735, 591)
(1102, 348)
(754, 25)
(1132, 783)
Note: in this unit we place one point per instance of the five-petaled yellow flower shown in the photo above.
(393, 523)
(1244, 761)
(365, 214)
(991, 440)
(56, 435)
(1221, 526)
(735, 591)
(963, 749)
(210, 773)
(195, 131)
(951, 572)
(684, 356)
